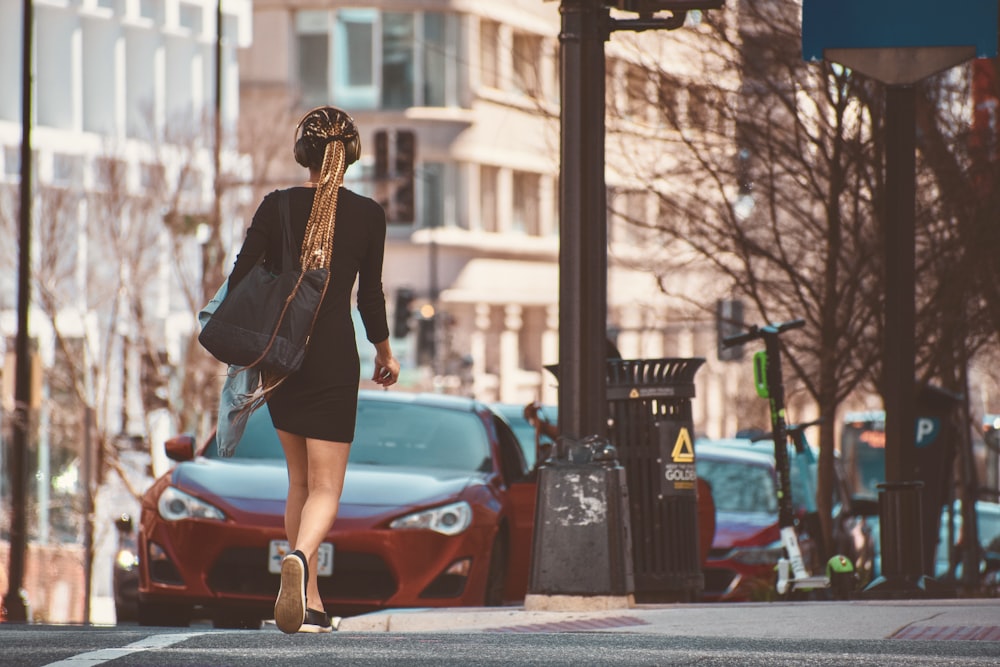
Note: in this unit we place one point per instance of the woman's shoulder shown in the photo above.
(361, 202)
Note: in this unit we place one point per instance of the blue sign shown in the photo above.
(875, 24)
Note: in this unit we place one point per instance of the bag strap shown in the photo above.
(289, 258)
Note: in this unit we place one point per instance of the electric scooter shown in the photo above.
(793, 575)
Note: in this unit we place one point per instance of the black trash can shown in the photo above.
(650, 422)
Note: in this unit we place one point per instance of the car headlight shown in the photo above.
(448, 519)
(175, 505)
(126, 560)
(768, 555)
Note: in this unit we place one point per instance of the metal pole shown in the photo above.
(583, 225)
(899, 496)
(17, 610)
(211, 251)
(900, 313)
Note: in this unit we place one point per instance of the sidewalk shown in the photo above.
(881, 619)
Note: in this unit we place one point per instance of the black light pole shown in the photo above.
(583, 236)
(17, 610)
(211, 251)
(900, 311)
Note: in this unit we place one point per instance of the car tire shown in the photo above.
(234, 620)
(496, 578)
(166, 615)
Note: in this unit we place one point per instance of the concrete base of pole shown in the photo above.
(538, 602)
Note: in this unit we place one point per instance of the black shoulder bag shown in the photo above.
(266, 320)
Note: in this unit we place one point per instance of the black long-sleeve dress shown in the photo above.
(320, 399)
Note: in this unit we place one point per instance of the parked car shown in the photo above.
(746, 548)
(125, 572)
(949, 554)
(432, 514)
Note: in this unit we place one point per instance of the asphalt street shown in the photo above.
(856, 634)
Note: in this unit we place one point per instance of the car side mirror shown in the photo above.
(124, 523)
(180, 448)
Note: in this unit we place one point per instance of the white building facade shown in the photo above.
(122, 175)
(477, 83)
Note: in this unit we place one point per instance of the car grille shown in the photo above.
(356, 576)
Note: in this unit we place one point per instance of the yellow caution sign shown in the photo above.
(683, 449)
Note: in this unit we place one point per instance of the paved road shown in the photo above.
(75, 647)
(857, 634)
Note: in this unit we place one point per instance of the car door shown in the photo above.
(521, 491)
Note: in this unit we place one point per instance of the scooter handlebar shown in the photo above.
(756, 332)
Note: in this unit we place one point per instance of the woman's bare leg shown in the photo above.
(315, 480)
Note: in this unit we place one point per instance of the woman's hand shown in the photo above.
(386, 365)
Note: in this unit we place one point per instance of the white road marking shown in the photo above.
(107, 654)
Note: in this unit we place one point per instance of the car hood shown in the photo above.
(261, 486)
(733, 529)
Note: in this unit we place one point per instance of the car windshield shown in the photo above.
(738, 486)
(388, 433)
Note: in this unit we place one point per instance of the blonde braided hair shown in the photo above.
(332, 128)
(331, 132)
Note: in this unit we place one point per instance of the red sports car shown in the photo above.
(436, 511)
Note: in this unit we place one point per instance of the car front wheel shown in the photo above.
(496, 580)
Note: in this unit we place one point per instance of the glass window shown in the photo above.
(432, 187)
(436, 58)
(66, 169)
(12, 160)
(313, 56)
(397, 61)
(150, 9)
(527, 60)
(526, 203)
(488, 198)
(636, 101)
(190, 17)
(388, 434)
(738, 486)
(355, 59)
(489, 58)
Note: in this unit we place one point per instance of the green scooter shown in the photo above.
(792, 573)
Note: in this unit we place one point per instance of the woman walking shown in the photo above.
(314, 409)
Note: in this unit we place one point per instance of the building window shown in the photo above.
(12, 161)
(636, 100)
(66, 169)
(364, 59)
(525, 207)
(397, 61)
(110, 175)
(489, 54)
(190, 17)
(152, 177)
(527, 61)
(150, 9)
(314, 56)
(488, 198)
(438, 184)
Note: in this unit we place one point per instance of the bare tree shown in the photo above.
(770, 178)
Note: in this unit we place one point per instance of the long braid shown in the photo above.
(327, 129)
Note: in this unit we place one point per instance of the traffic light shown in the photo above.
(648, 7)
(401, 315)
(728, 322)
(381, 154)
(406, 157)
(426, 340)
